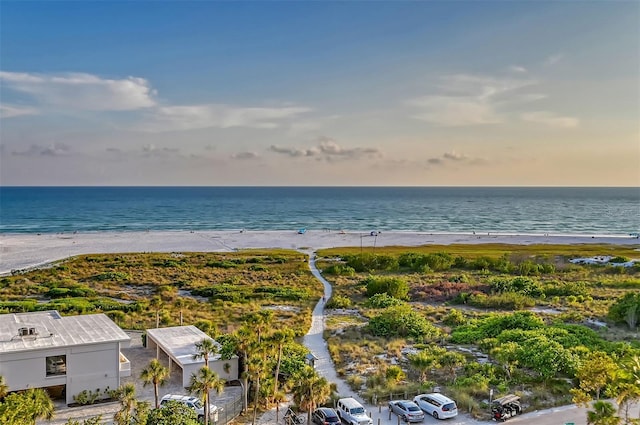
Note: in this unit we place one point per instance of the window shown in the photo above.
(56, 365)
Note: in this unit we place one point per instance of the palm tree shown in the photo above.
(128, 402)
(155, 374)
(280, 338)
(39, 405)
(4, 388)
(243, 345)
(205, 349)
(157, 304)
(260, 322)
(311, 390)
(422, 362)
(628, 385)
(256, 367)
(603, 413)
(201, 383)
(180, 304)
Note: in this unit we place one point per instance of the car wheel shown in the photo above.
(435, 414)
(201, 418)
(404, 418)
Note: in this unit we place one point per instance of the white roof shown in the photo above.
(179, 342)
(53, 330)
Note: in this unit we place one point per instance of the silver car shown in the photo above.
(437, 405)
(407, 410)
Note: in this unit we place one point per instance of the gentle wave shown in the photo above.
(535, 211)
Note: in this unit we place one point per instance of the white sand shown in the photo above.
(20, 251)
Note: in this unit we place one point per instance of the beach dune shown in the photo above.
(22, 251)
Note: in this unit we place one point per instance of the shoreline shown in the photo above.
(19, 251)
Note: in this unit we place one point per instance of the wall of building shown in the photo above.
(216, 366)
(89, 367)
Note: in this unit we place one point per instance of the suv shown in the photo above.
(352, 412)
(325, 416)
(437, 405)
(193, 403)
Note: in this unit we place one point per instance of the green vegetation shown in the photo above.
(538, 353)
(139, 290)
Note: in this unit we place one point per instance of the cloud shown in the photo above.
(54, 149)
(294, 152)
(82, 91)
(465, 99)
(10, 111)
(245, 155)
(553, 59)
(453, 157)
(326, 149)
(517, 68)
(190, 117)
(550, 119)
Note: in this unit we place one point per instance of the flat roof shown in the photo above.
(53, 330)
(179, 342)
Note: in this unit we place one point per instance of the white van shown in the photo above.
(352, 412)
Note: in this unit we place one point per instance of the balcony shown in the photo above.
(125, 366)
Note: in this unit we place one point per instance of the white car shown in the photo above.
(352, 412)
(437, 405)
(193, 403)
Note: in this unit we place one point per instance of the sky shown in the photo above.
(352, 93)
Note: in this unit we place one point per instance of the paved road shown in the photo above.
(315, 342)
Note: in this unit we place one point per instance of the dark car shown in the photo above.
(325, 416)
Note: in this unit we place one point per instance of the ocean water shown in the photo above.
(610, 211)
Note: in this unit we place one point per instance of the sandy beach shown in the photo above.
(20, 251)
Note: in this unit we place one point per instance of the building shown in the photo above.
(178, 344)
(67, 354)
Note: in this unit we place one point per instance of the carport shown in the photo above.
(178, 343)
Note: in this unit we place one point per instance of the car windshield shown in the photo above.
(198, 404)
(357, 411)
(411, 408)
(449, 406)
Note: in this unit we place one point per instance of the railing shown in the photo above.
(229, 411)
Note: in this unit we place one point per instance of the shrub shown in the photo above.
(371, 262)
(505, 301)
(626, 310)
(338, 301)
(522, 285)
(395, 374)
(113, 276)
(393, 286)
(402, 321)
(454, 318)
(340, 270)
(620, 259)
(383, 301)
(494, 325)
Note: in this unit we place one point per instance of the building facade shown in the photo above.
(65, 354)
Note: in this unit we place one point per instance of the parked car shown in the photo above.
(193, 403)
(437, 405)
(352, 412)
(407, 410)
(325, 416)
(505, 407)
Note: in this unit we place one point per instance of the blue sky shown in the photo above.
(320, 93)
